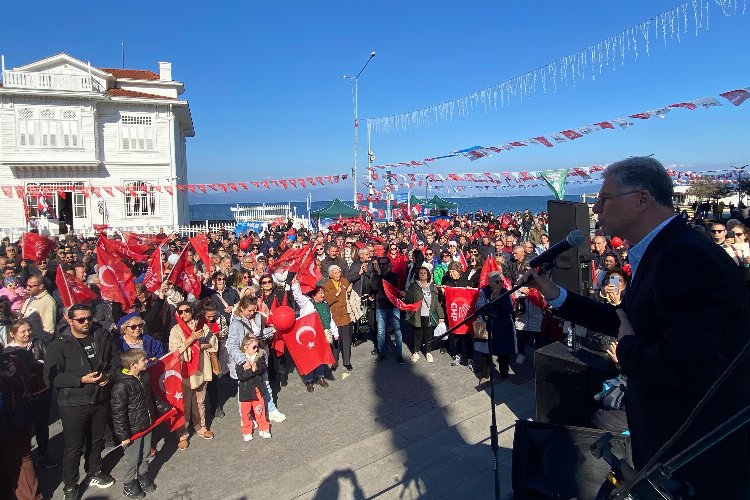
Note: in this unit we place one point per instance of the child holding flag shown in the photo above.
(252, 387)
(133, 412)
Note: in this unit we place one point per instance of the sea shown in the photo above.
(221, 211)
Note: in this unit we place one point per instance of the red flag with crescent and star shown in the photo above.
(307, 344)
(120, 249)
(115, 278)
(309, 273)
(166, 383)
(72, 290)
(36, 247)
(459, 303)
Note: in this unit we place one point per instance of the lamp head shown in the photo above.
(372, 54)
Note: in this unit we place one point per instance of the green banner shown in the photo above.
(556, 180)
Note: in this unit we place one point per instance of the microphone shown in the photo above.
(572, 240)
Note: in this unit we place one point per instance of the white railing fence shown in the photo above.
(49, 81)
(15, 233)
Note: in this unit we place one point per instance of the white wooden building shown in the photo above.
(86, 146)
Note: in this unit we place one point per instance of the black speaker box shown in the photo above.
(555, 461)
(566, 382)
(564, 217)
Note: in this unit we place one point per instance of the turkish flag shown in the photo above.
(484, 275)
(200, 245)
(154, 273)
(309, 273)
(289, 260)
(115, 278)
(72, 290)
(183, 275)
(462, 261)
(120, 249)
(36, 247)
(392, 293)
(307, 344)
(166, 383)
(459, 303)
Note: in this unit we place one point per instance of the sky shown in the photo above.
(264, 79)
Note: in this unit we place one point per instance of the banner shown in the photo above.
(555, 179)
(392, 293)
(115, 278)
(459, 303)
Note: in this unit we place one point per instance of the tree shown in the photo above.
(706, 188)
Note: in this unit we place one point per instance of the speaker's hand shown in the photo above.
(546, 286)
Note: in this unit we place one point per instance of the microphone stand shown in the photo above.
(494, 441)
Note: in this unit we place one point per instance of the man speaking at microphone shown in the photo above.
(683, 320)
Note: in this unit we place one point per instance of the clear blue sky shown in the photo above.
(263, 78)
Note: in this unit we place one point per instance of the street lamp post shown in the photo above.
(355, 79)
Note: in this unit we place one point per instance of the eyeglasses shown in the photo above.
(246, 277)
(254, 347)
(719, 231)
(83, 320)
(265, 282)
(220, 279)
(138, 326)
(601, 200)
(739, 234)
(428, 253)
(183, 311)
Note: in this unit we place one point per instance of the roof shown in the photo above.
(335, 209)
(135, 74)
(133, 93)
(438, 202)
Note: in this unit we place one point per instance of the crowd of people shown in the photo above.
(91, 359)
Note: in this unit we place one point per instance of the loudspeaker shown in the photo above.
(555, 461)
(566, 382)
(564, 217)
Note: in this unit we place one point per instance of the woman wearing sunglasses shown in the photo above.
(193, 340)
(131, 328)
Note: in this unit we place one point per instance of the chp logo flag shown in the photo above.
(115, 279)
(36, 247)
(154, 273)
(460, 302)
(120, 249)
(72, 290)
(307, 344)
(166, 383)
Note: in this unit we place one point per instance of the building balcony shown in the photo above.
(50, 81)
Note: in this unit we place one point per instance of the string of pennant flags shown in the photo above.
(736, 97)
(522, 180)
(608, 54)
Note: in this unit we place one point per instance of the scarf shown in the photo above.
(191, 366)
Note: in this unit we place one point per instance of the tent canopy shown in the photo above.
(437, 203)
(415, 201)
(336, 209)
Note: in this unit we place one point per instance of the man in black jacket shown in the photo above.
(80, 365)
(385, 310)
(685, 317)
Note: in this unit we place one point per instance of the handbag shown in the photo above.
(480, 329)
(215, 365)
(433, 318)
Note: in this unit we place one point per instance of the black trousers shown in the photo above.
(42, 407)
(219, 390)
(423, 335)
(461, 345)
(345, 344)
(83, 429)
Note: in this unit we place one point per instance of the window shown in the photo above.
(136, 133)
(140, 199)
(48, 128)
(42, 198)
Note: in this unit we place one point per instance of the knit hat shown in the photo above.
(125, 318)
(427, 266)
(10, 280)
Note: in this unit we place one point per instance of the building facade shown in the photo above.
(81, 146)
